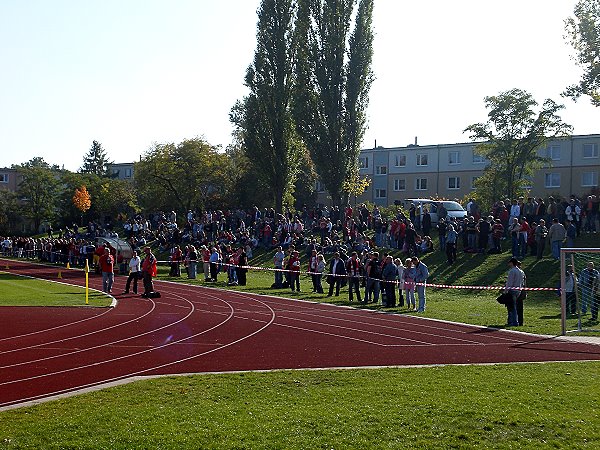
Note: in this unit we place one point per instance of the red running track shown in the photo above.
(50, 351)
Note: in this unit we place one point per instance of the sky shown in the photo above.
(130, 73)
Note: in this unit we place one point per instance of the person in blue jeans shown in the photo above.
(514, 282)
(421, 275)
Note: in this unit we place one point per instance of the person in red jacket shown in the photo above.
(148, 271)
(107, 265)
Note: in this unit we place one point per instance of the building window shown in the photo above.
(552, 180)
(116, 172)
(553, 152)
(473, 180)
(400, 160)
(400, 185)
(454, 157)
(421, 184)
(319, 186)
(453, 182)
(363, 163)
(381, 170)
(478, 159)
(380, 193)
(422, 160)
(590, 150)
(589, 179)
(3, 178)
(128, 173)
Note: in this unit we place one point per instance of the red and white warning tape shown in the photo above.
(431, 285)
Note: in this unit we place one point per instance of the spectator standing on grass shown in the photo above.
(589, 278)
(451, 240)
(353, 269)
(541, 233)
(337, 271)
(514, 282)
(390, 275)
(294, 265)
(421, 275)
(278, 259)
(514, 229)
(373, 273)
(556, 236)
(214, 260)
(408, 277)
(134, 273)
(242, 265)
(107, 265)
(192, 258)
(320, 269)
(400, 278)
(569, 287)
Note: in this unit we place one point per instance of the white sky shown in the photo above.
(131, 72)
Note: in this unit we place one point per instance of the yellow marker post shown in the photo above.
(87, 279)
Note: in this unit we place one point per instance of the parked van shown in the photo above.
(454, 209)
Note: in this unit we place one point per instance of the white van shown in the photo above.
(454, 209)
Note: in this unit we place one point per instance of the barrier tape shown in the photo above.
(272, 269)
(432, 285)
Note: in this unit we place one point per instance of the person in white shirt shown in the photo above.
(134, 272)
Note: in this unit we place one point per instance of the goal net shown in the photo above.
(580, 293)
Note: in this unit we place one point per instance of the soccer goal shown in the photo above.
(580, 293)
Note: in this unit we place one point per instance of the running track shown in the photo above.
(50, 351)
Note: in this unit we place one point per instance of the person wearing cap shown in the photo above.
(514, 283)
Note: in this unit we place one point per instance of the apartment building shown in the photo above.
(9, 179)
(450, 170)
(122, 171)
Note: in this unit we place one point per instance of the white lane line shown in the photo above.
(149, 369)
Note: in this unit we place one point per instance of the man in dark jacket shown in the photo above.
(337, 271)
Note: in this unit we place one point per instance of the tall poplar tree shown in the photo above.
(334, 79)
(264, 117)
(583, 33)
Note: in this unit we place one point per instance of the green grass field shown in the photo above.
(16, 290)
(532, 406)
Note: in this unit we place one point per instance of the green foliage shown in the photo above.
(583, 33)
(9, 211)
(264, 117)
(186, 176)
(334, 72)
(95, 160)
(38, 190)
(511, 139)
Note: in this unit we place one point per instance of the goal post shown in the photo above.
(586, 289)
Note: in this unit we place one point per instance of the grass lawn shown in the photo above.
(507, 406)
(17, 290)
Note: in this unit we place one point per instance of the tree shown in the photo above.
(512, 137)
(186, 176)
(583, 33)
(265, 116)
(9, 211)
(82, 199)
(95, 160)
(335, 76)
(38, 190)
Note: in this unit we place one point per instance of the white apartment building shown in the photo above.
(450, 170)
